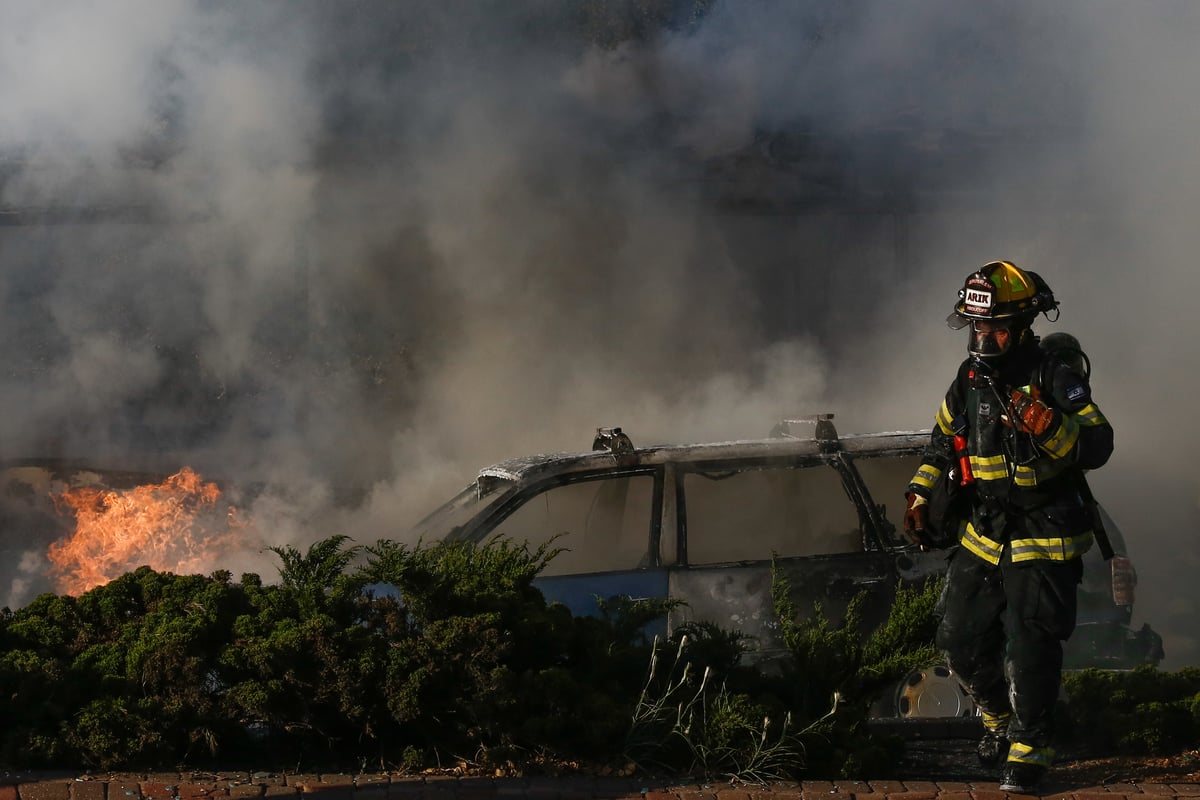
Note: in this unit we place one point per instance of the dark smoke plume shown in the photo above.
(362, 248)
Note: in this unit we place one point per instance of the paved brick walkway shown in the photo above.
(175, 786)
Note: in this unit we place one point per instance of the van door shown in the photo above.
(736, 519)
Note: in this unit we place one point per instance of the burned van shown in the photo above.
(704, 522)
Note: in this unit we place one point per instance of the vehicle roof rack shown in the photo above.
(823, 430)
(612, 440)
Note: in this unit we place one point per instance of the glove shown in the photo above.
(1026, 412)
(916, 519)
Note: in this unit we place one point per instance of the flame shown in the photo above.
(174, 526)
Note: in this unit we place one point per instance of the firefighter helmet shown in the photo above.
(999, 301)
(1001, 290)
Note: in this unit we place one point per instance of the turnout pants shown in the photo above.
(1002, 628)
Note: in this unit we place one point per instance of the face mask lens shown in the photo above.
(988, 339)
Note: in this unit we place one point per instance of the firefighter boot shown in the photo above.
(993, 747)
(1022, 778)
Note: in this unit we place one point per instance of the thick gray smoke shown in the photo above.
(363, 248)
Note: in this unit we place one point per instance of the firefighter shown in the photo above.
(1027, 429)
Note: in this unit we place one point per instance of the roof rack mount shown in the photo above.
(613, 440)
(823, 428)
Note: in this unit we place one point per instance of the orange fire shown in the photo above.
(174, 526)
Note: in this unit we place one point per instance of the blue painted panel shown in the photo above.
(578, 592)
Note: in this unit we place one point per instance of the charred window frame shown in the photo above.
(885, 536)
(871, 520)
(525, 494)
(725, 468)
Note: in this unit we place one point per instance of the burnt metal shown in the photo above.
(613, 440)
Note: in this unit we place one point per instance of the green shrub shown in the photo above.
(845, 660)
(482, 668)
(842, 666)
(1135, 712)
(905, 640)
(461, 660)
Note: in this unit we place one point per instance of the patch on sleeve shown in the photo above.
(1077, 392)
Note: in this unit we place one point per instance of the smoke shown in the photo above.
(362, 248)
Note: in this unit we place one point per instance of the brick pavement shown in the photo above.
(188, 786)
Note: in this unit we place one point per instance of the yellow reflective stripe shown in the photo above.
(1041, 471)
(945, 420)
(987, 549)
(989, 468)
(1060, 444)
(997, 723)
(1028, 754)
(1025, 476)
(1090, 415)
(1051, 549)
(995, 468)
(927, 477)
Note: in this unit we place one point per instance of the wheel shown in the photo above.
(933, 691)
